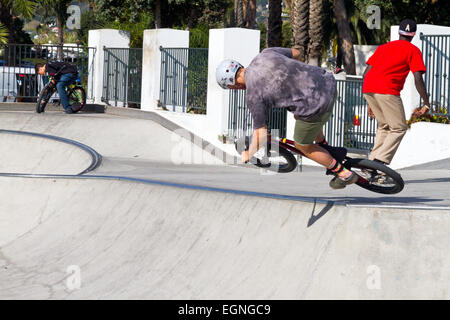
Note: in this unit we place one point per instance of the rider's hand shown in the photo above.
(422, 110)
(370, 112)
(245, 156)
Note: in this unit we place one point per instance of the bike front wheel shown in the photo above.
(275, 159)
(375, 176)
(77, 98)
(44, 97)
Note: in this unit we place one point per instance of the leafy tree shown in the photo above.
(51, 9)
(11, 15)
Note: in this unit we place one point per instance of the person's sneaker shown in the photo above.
(339, 183)
(68, 110)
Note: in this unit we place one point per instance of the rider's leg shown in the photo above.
(320, 138)
(61, 87)
(306, 133)
(64, 81)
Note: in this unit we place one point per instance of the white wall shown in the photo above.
(98, 39)
(151, 63)
(424, 142)
(410, 96)
(230, 43)
(362, 54)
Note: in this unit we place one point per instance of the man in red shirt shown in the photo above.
(384, 78)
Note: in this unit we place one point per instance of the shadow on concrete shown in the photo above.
(93, 108)
(383, 200)
(322, 212)
(431, 180)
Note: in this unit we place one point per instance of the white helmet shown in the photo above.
(226, 72)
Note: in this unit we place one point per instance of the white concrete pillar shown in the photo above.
(409, 94)
(151, 61)
(99, 39)
(231, 43)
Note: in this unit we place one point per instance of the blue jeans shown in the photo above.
(64, 81)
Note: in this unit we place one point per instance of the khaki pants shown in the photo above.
(390, 115)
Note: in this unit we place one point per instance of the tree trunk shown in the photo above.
(345, 37)
(59, 23)
(250, 14)
(315, 32)
(192, 14)
(274, 24)
(300, 26)
(158, 14)
(239, 13)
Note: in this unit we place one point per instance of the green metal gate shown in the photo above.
(436, 52)
(122, 77)
(184, 79)
(18, 81)
(350, 125)
(240, 121)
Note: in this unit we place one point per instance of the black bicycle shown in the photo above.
(278, 156)
(75, 92)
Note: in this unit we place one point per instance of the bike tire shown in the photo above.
(44, 97)
(289, 165)
(395, 187)
(77, 98)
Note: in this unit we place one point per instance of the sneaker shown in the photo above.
(68, 110)
(339, 183)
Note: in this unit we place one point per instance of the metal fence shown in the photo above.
(122, 77)
(18, 81)
(240, 121)
(350, 125)
(436, 52)
(184, 79)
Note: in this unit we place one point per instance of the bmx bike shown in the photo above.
(278, 156)
(75, 92)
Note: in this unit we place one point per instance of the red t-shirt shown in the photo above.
(391, 64)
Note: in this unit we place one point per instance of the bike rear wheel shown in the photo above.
(44, 97)
(275, 159)
(77, 98)
(375, 176)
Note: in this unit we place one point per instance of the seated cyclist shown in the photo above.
(276, 78)
(66, 74)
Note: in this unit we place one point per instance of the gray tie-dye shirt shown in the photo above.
(274, 79)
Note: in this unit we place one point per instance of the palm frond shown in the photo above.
(26, 8)
(3, 34)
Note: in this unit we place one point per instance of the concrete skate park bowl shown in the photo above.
(34, 153)
(139, 227)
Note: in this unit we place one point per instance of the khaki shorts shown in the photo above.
(306, 132)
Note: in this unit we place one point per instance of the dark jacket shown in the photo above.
(54, 67)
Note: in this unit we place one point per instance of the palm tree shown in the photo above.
(12, 10)
(300, 26)
(315, 32)
(3, 34)
(239, 11)
(250, 14)
(58, 9)
(274, 24)
(345, 37)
